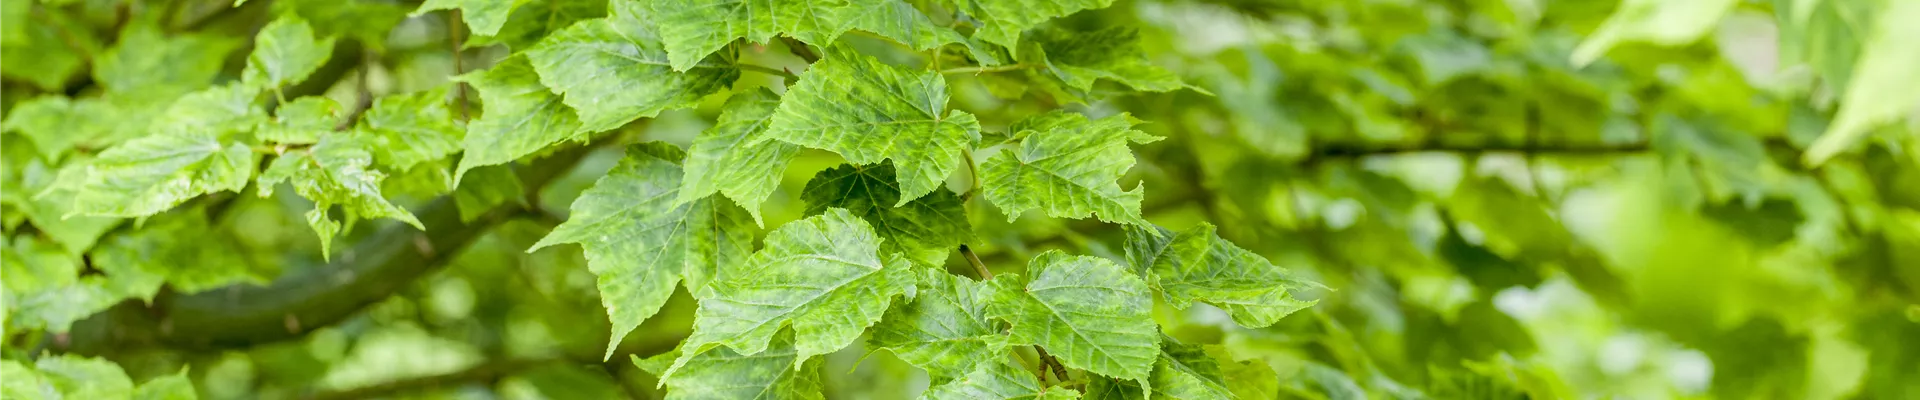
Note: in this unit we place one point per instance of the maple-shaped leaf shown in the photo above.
(1882, 89)
(1005, 19)
(365, 21)
(869, 111)
(50, 200)
(148, 62)
(614, 69)
(74, 377)
(158, 252)
(284, 53)
(46, 47)
(410, 129)
(485, 188)
(897, 20)
(44, 288)
(692, 29)
(301, 121)
(732, 159)
(1080, 58)
(824, 275)
(1197, 265)
(521, 116)
(56, 124)
(526, 26)
(152, 174)
(1185, 371)
(945, 329)
(926, 229)
(228, 111)
(640, 241)
(722, 373)
(1087, 311)
(483, 17)
(995, 378)
(339, 170)
(1067, 166)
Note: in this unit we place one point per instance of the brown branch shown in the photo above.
(1049, 363)
(800, 49)
(978, 267)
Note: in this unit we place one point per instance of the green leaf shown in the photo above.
(51, 48)
(1667, 23)
(224, 111)
(1197, 265)
(301, 121)
(869, 111)
(284, 53)
(52, 199)
(44, 289)
(925, 229)
(526, 26)
(483, 17)
(614, 70)
(410, 129)
(487, 188)
(1068, 167)
(995, 378)
(337, 171)
(731, 158)
(23, 382)
(945, 329)
(167, 387)
(152, 174)
(1005, 19)
(722, 373)
(692, 29)
(1186, 371)
(56, 124)
(640, 241)
(147, 62)
(1883, 87)
(159, 251)
(521, 117)
(823, 275)
(365, 21)
(85, 378)
(901, 22)
(1087, 311)
(1080, 58)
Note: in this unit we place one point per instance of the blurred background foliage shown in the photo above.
(1494, 220)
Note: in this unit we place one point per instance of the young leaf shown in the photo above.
(723, 373)
(84, 378)
(56, 124)
(732, 159)
(1114, 54)
(365, 21)
(1005, 19)
(925, 229)
(52, 198)
(340, 171)
(301, 121)
(1652, 21)
(284, 53)
(522, 117)
(152, 174)
(412, 128)
(1087, 311)
(1197, 265)
(1883, 86)
(641, 242)
(149, 63)
(995, 378)
(483, 17)
(945, 329)
(613, 70)
(1067, 166)
(225, 111)
(823, 275)
(869, 111)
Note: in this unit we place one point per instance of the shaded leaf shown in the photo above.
(995, 378)
(301, 121)
(1197, 265)
(614, 70)
(521, 118)
(1080, 58)
(925, 229)
(1006, 19)
(284, 53)
(410, 129)
(945, 329)
(731, 157)
(483, 17)
(722, 373)
(337, 171)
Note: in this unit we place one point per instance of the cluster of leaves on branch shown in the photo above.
(1006, 198)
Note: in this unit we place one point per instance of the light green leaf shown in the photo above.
(147, 62)
(731, 158)
(945, 329)
(410, 129)
(1068, 167)
(692, 29)
(284, 53)
(182, 250)
(1005, 19)
(640, 241)
(1080, 58)
(84, 378)
(1197, 265)
(995, 378)
(365, 21)
(301, 121)
(1186, 371)
(221, 110)
(925, 229)
(483, 17)
(869, 111)
(1087, 311)
(44, 289)
(823, 275)
(337, 171)
(1661, 22)
(49, 50)
(1883, 87)
(521, 116)
(486, 188)
(152, 174)
(897, 20)
(614, 70)
(52, 198)
(56, 124)
(23, 382)
(722, 373)
(167, 387)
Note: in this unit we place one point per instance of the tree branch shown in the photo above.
(483, 372)
(800, 49)
(1338, 150)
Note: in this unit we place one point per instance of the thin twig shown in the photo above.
(364, 98)
(978, 267)
(981, 70)
(454, 36)
(1047, 360)
(800, 49)
(768, 70)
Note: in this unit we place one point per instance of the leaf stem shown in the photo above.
(800, 49)
(973, 173)
(768, 70)
(981, 70)
(1047, 362)
(978, 267)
